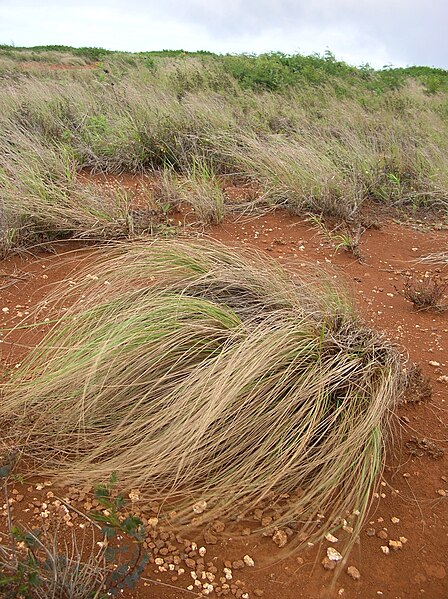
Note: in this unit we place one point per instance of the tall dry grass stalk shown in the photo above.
(202, 374)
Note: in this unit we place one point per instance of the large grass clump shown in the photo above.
(204, 374)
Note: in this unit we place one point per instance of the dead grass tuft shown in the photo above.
(202, 374)
(418, 385)
(426, 292)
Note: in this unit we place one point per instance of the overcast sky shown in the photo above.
(380, 32)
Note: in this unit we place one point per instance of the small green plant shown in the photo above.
(113, 523)
(394, 179)
(41, 563)
(349, 240)
(344, 236)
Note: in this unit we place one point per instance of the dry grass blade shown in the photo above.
(198, 373)
(437, 258)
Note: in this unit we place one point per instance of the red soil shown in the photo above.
(413, 486)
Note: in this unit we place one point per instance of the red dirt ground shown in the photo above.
(415, 487)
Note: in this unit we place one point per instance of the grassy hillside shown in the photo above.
(308, 132)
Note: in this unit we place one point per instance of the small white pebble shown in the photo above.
(134, 495)
(333, 554)
(248, 561)
(199, 507)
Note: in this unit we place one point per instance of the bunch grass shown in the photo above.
(310, 133)
(42, 200)
(201, 374)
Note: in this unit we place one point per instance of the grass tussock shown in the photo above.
(41, 198)
(202, 374)
(198, 192)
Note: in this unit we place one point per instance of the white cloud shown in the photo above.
(375, 31)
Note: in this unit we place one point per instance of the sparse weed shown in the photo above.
(346, 235)
(426, 292)
(43, 563)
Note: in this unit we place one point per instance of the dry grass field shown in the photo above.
(224, 326)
